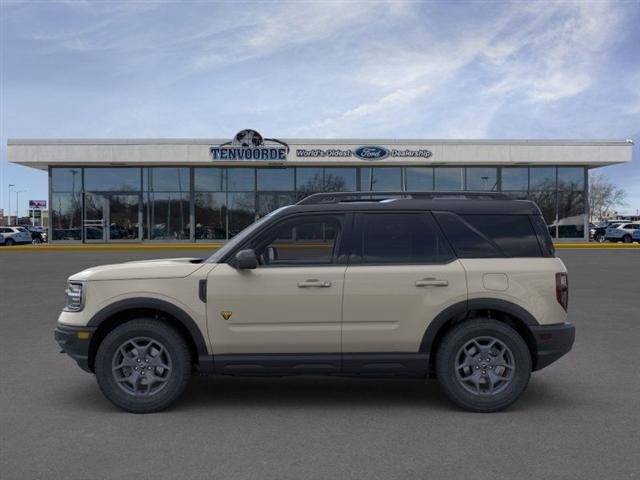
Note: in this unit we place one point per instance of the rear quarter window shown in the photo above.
(514, 234)
(486, 236)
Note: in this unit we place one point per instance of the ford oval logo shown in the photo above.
(371, 153)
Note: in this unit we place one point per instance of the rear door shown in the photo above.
(401, 274)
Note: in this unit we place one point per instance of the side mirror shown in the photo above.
(246, 260)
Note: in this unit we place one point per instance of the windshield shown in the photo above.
(241, 237)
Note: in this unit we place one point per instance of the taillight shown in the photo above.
(562, 289)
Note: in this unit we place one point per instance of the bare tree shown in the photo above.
(604, 196)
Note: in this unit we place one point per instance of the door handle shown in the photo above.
(314, 283)
(431, 282)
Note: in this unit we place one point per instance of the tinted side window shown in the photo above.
(308, 240)
(467, 241)
(401, 238)
(514, 234)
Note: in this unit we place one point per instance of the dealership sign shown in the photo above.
(366, 152)
(38, 204)
(371, 153)
(250, 145)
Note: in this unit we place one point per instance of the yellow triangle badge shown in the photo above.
(226, 314)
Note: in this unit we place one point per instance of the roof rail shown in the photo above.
(337, 197)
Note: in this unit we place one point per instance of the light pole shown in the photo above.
(9, 212)
(18, 192)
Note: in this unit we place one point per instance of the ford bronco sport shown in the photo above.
(463, 287)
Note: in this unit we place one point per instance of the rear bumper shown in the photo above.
(552, 342)
(74, 345)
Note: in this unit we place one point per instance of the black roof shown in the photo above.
(456, 202)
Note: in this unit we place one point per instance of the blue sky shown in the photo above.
(319, 69)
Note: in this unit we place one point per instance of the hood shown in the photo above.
(162, 268)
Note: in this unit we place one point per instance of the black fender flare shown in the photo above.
(154, 304)
(461, 309)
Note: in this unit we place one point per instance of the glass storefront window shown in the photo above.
(518, 195)
(449, 178)
(542, 178)
(66, 179)
(210, 216)
(268, 202)
(66, 217)
(226, 199)
(112, 179)
(166, 179)
(167, 216)
(546, 201)
(515, 178)
(419, 179)
(241, 179)
(340, 180)
(570, 178)
(275, 179)
(209, 179)
(378, 179)
(124, 217)
(308, 181)
(241, 211)
(571, 214)
(482, 178)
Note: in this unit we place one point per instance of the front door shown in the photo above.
(111, 217)
(95, 217)
(401, 275)
(291, 303)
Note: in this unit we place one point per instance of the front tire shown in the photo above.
(626, 239)
(143, 366)
(483, 365)
(9, 242)
(599, 238)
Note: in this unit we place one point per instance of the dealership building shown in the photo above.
(199, 190)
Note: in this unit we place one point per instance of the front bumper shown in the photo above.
(552, 342)
(75, 341)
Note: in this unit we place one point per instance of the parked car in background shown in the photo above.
(599, 231)
(1, 239)
(38, 234)
(622, 232)
(15, 235)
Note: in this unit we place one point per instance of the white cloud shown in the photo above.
(291, 25)
(552, 57)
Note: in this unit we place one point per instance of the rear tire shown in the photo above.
(483, 365)
(9, 242)
(626, 239)
(143, 366)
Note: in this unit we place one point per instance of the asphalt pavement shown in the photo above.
(579, 418)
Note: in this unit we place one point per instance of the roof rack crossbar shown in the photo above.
(337, 197)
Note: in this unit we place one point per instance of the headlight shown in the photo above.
(75, 297)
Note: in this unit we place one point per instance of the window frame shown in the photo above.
(355, 253)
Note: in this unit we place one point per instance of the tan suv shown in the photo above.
(464, 287)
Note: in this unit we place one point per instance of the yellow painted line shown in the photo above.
(50, 248)
(597, 246)
(215, 246)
